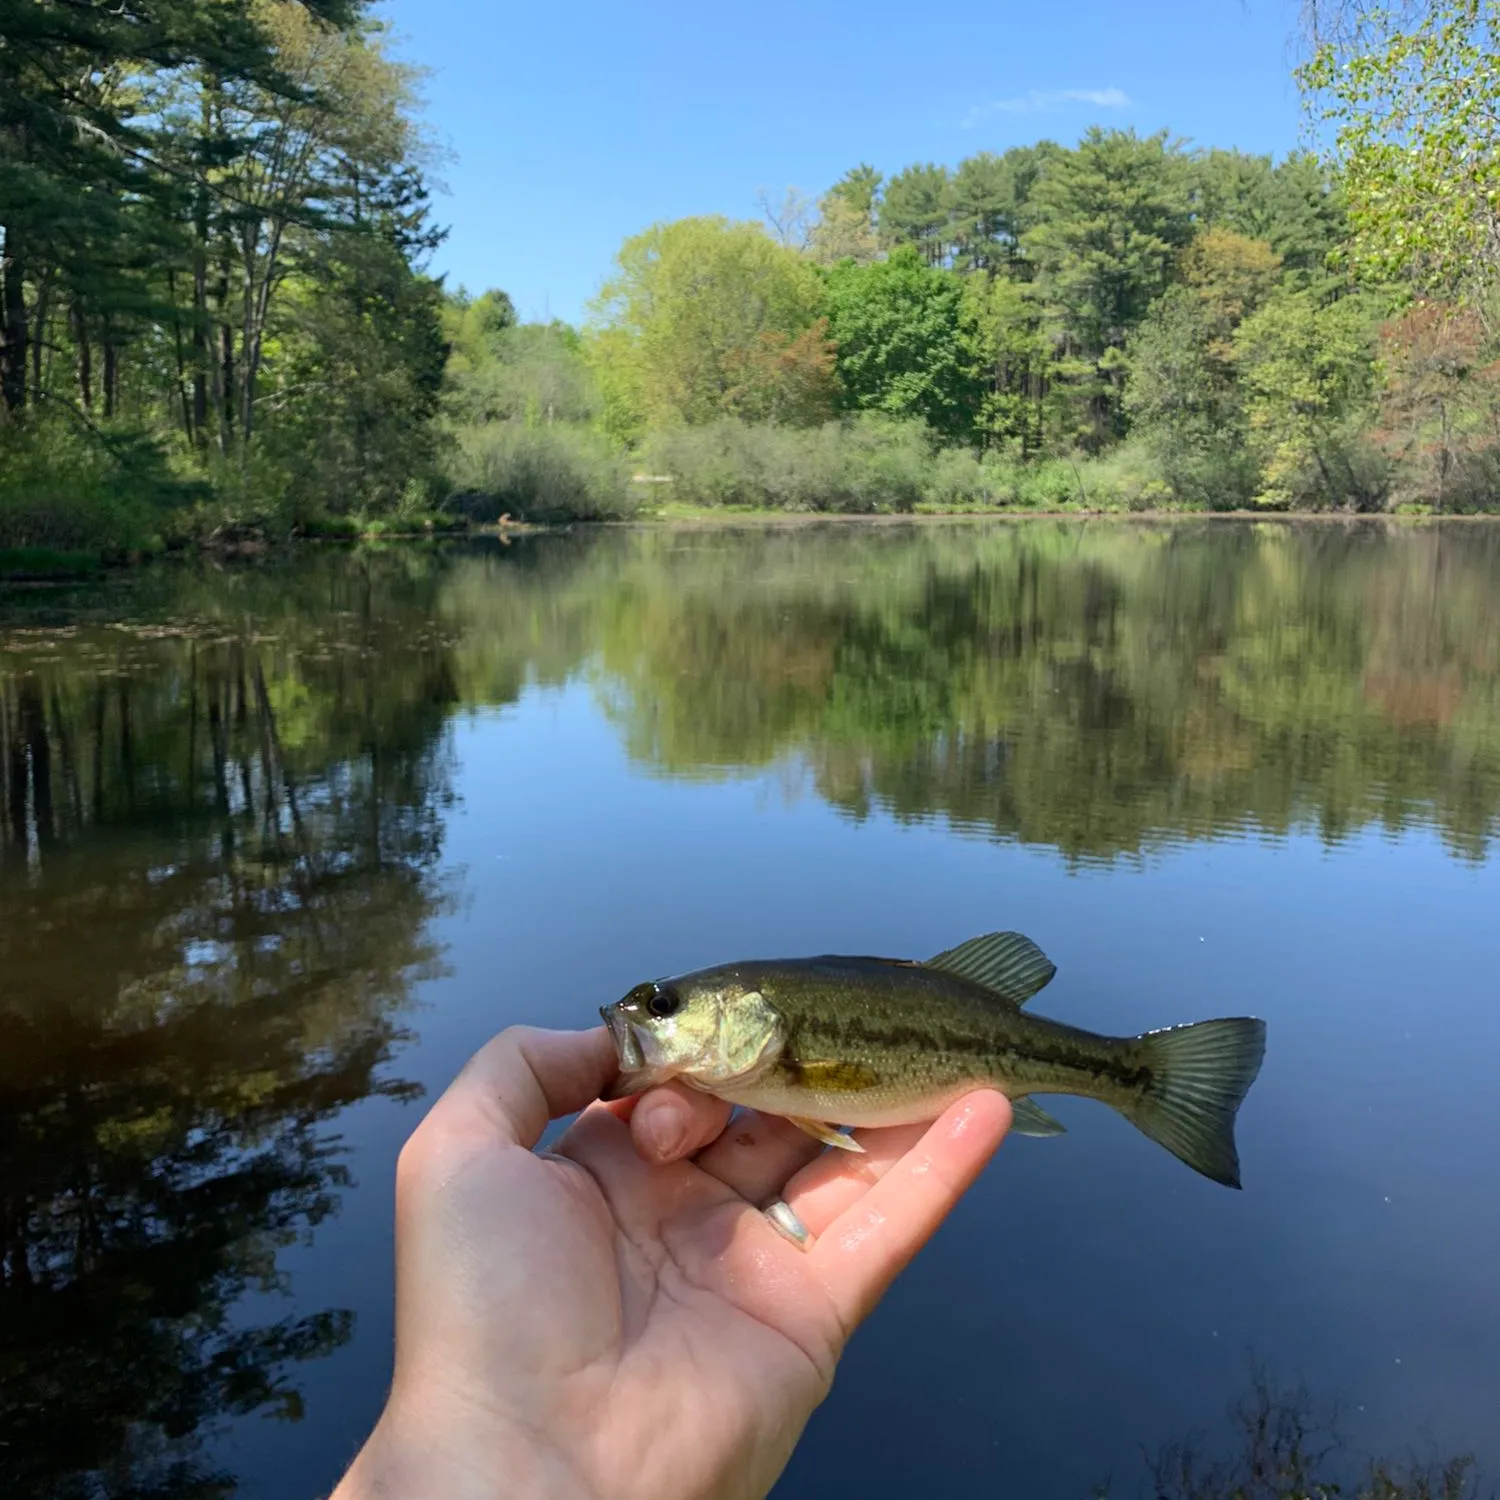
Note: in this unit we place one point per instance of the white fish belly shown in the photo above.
(866, 1107)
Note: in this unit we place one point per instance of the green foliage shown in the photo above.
(706, 318)
(1412, 96)
(1004, 322)
(917, 210)
(1043, 307)
(1295, 205)
(903, 336)
(1307, 372)
(69, 490)
(1183, 396)
(871, 463)
(551, 472)
(989, 208)
(530, 372)
(845, 226)
(46, 562)
(1440, 406)
(1109, 220)
(213, 233)
(475, 327)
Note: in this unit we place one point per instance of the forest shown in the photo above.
(218, 317)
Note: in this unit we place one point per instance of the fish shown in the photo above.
(834, 1043)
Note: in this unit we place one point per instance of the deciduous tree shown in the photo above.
(1440, 402)
(1412, 94)
(904, 339)
(691, 312)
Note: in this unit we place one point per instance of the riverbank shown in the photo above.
(683, 514)
(41, 565)
(72, 565)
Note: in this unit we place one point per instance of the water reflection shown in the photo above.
(1281, 1443)
(1101, 689)
(218, 856)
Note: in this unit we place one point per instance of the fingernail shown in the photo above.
(664, 1136)
(786, 1223)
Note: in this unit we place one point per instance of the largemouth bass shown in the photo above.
(838, 1042)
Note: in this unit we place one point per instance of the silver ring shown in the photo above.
(787, 1224)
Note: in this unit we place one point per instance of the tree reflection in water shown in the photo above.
(1101, 689)
(1282, 1444)
(217, 862)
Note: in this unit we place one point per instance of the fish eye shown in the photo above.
(664, 1003)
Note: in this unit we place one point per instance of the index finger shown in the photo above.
(523, 1079)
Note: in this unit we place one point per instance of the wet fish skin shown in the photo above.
(854, 1041)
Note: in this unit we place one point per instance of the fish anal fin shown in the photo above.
(1008, 964)
(828, 1134)
(1031, 1119)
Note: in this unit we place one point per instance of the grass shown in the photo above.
(357, 528)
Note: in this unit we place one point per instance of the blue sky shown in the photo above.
(573, 125)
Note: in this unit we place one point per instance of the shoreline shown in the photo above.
(43, 566)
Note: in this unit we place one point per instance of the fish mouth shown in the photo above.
(627, 1046)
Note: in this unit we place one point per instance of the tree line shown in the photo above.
(215, 313)
(1124, 322)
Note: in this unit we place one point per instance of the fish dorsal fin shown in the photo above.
(1005, 963)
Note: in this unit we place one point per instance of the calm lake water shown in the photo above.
(282, 843)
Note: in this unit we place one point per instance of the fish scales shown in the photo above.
(863, 1011)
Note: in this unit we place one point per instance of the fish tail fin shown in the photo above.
(1198, 1076)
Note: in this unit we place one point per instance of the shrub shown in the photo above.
(66, 490)
(868, 463)
(555, 472)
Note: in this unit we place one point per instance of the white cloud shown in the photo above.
(1038, 100)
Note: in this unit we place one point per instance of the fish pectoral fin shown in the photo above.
(1027, 1118)
(828, 1134)
(1007, 964)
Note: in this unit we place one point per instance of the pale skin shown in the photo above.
(614, 1318)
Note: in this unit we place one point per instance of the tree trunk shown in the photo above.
(14, 329)
(223, 364)
(257, 298)
(182, 388)
(39, 339)
(199, 422)
(111, 372)
(85, 357)
(226, 386)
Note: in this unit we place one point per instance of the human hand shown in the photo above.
(615, 1317)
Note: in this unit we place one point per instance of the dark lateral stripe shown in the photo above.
(854, 1035)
